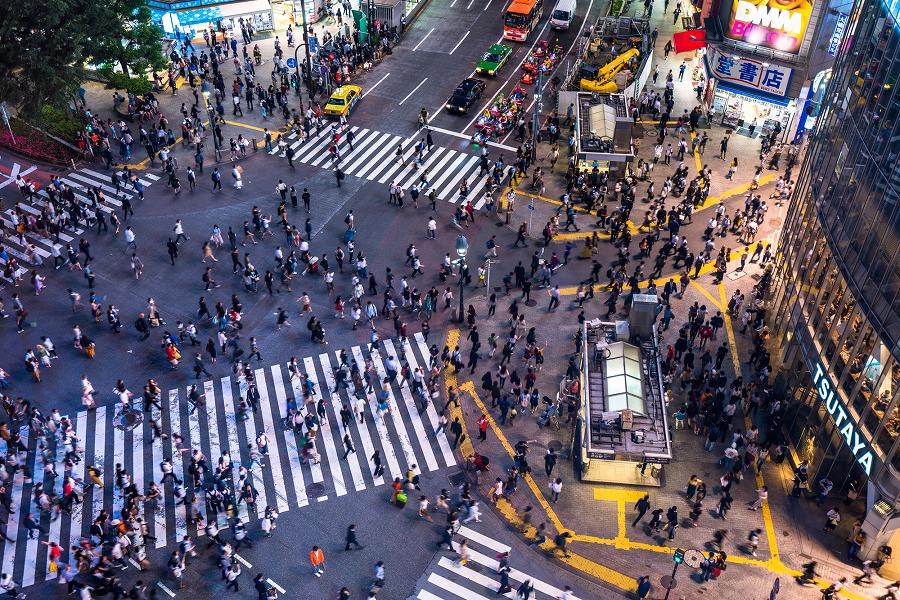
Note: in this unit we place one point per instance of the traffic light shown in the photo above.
(679, 556)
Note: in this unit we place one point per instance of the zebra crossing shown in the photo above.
(405, 435)
(374, 157)
(478, 579)
(79, 181)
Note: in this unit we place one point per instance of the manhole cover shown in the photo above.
(668, 583)
(555, 445)
(775, 222)
(457, 479)
(315, 490)
(531, 303)
(128, 421)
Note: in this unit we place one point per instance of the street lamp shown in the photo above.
(538, 106)
(306, 60)
(462, 248)
(207, 90)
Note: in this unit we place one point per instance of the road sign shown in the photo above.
(291, 63)
(693, 558)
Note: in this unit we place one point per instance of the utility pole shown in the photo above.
(536, 122)
(307, 61)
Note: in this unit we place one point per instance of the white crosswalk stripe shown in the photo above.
(79, 180)
(374, 158)
(404, 437)
(478, 578)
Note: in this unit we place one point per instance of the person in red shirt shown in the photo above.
(482, 428)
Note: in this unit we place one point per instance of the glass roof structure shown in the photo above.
(624, 378)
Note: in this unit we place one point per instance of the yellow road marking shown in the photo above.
(616, 495)
(465, 446)
(585, 565)
(707, 294)
(253, 127)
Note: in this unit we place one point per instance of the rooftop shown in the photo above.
(625, 416)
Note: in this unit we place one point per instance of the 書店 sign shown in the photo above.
(776, 24)
(753, 74)
(838, 33)
(843, 423)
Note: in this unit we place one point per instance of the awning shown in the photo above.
(756, 95)
(688, 41)
(249, 7)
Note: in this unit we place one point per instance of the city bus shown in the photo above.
(521, 17)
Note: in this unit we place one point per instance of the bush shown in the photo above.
(56, 122)
(140, 86)
(617, 6)
(34, 144)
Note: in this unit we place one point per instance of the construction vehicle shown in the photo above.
(602, 79)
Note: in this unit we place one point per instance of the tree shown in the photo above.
(129, 39)
(42, 51)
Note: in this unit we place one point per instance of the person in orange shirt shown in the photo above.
(317, 559)
(396, 486)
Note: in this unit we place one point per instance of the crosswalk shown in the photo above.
(405, 436)
(79, 181)
(478, 579)
(374, 157)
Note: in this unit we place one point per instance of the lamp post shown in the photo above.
(306, 61)
(207, 90)
(536, 123)
(488, 282)
(462, 248)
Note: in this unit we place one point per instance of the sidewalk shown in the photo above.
(605, 545)
(251, 125)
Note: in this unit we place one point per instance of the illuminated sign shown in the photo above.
(856, 442)
(776, 24)
(745, 72)
(838, 33)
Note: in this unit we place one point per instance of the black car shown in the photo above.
(468, 92)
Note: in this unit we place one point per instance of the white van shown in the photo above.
(563, 13)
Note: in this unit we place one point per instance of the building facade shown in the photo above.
(835, 312)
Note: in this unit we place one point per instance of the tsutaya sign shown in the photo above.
(775, 24)
(856, 443)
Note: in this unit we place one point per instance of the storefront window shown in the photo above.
(885, 409)
(854, 353)
(802, 402)
(836, 327)
(874, 382)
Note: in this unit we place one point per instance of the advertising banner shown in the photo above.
(776, 24)
(839, 27)
(753, 74)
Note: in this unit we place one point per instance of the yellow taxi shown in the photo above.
(342, 100)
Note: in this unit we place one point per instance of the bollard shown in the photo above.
(254, 142)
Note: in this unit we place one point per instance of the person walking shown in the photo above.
(317, 560)
(351, 539)
(556, 488)
(549, 461)
(642, 506)
(763, 494)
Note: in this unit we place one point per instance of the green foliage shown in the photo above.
(45, 45)
(42, 51)
(129, 38)
(56, 122)
(617, 6)
(119, 81)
